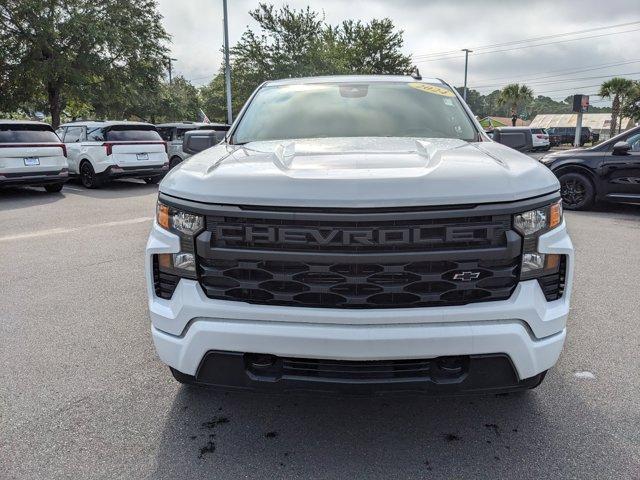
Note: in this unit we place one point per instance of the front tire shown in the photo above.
(88, 176)
(54, 187)
(174, 162)
(578, 193)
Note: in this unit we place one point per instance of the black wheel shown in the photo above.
(577, 191)
(152, 180)
(174, 161)
(54, 187)
(183, 377)
(88, 176)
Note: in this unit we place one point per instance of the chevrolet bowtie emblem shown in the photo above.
(466, 276)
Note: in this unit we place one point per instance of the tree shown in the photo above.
(618, 88)
(488, 105)
(515, 95)
(475, 100)
(632, 105)
(105, 52)
(179, 100)
(214, 100)
(298, 43)
(367, 48)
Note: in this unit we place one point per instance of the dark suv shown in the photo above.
(566, 135)
(609, 171)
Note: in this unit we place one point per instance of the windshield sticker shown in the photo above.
(425, 87)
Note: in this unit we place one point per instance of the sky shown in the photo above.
(569, 64)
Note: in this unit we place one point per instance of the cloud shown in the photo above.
(437, 26)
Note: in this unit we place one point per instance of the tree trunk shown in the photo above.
(53, 93)
(620, 118)
(614, 115)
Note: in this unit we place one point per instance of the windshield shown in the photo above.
(132, 134)
(12, 133)
(359, 109)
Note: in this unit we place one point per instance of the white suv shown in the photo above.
(359, 233)
(102, 151)
(31, 154)
(173, 134)
(540, 139)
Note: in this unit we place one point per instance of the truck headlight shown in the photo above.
(186, 225)
(178, 221)
(531, 225)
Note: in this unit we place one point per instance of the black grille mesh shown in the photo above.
(164, 283)
(553, 285)
(370, 285)
(369, 370)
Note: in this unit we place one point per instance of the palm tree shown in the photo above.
(619, 88)
(514, 95)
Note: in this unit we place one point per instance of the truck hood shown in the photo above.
(359, 172)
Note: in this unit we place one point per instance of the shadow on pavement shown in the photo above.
(12, 198)
(605, 209)
(114, 189)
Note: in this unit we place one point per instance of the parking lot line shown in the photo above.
(58, 231)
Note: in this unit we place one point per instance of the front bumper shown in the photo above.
(37, 178)
(442, 375)
(526, 328)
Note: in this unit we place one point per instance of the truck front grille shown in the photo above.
(362, 285)
(356, 261)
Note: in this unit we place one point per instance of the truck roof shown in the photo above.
(352, 78)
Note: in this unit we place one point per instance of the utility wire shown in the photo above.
(565, 71)
(529, 46)
(563, 80)
(532, 39)
(569, 88)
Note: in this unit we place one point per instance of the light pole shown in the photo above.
(466, 65)
(171, 60)
(227, 66)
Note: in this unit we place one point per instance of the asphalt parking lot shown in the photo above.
(82, 394)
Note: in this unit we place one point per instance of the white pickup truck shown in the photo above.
(359, 234)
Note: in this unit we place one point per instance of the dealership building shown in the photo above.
(599, 123)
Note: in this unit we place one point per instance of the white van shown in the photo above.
(102, 151)
(31, 154)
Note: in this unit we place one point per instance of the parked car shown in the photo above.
(102, 151)
(32, 154)
(518, 138)
(358, 233)
(609, 171)
(173, 134)
(567, 135)
(540, 139)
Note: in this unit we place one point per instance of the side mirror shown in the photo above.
(520, 140)
(195, 141)
(621, 148)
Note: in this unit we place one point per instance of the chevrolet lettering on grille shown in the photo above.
(346, 237)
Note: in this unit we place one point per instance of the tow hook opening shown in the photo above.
(260, 361)
(450, 368)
